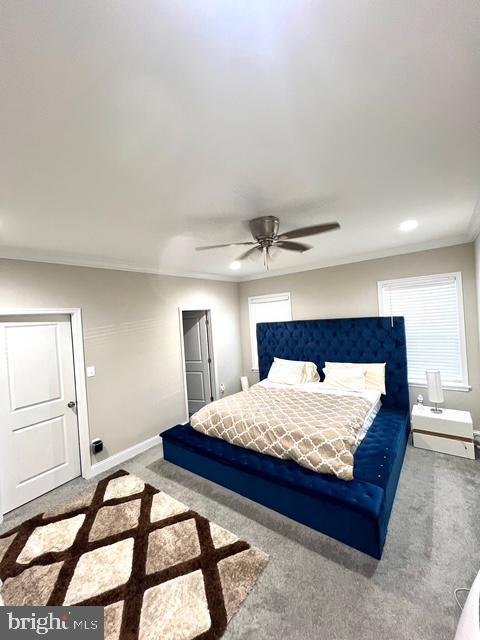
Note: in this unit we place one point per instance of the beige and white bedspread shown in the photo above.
(319, 431)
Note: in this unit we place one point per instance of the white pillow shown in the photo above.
(286, 372)
(310, 369)
(374, 376)
(345, 379)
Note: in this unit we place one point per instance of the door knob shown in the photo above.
(71, 404)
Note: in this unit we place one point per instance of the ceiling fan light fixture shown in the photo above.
(235, 265)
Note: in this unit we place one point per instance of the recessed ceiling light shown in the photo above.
(408, 225)
(235, 265)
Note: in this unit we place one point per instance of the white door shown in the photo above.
(39, 447)
(197, 359)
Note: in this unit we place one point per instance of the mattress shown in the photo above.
(372, 395)
(318, 430)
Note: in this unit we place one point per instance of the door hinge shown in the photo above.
(209, 361)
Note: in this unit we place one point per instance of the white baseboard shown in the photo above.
(122, 456)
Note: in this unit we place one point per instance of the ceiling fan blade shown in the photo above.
(293, 246)
(309, 231)
(249, 252)
(220, 246)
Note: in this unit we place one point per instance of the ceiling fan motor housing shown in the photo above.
(265, 227)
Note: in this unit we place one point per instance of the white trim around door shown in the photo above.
(80, 382)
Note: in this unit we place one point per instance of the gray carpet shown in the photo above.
(315, 588)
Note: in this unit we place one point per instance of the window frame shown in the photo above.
(457, 275)
(252, 300)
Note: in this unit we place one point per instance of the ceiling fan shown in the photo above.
(265, 232)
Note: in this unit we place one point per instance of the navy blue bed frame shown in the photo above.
(355, 512)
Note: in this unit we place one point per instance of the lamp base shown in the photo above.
(435, 409)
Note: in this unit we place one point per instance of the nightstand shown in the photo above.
(448, 432)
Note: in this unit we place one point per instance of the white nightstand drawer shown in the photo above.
(435, 425)
(444, 445)
(449, 422)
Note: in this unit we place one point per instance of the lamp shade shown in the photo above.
(434, 384)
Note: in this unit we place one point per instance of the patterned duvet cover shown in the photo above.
(318, 431)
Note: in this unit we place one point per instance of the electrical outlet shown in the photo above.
(222, 388)
(90, 372)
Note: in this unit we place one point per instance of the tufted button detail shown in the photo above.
(372, 467)
(341, 340)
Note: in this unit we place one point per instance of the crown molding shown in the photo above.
(374, 255)
(33, 255)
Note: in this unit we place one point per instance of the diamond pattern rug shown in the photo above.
(160, 570)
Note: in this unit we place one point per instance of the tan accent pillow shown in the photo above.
(352, 379)
(286, 372)
(374, 376)
(310, 369)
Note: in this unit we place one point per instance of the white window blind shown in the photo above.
(268, 308)
(434, 324)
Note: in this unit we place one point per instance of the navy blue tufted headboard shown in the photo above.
(341, 340)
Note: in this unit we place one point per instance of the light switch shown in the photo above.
(90, 372)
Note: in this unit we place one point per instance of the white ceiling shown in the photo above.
(133, 131)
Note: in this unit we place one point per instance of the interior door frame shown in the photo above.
(80, 380)
(213, 369)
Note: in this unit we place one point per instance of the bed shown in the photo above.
(355, 512)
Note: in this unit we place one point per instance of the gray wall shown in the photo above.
(131, 327)
(477, 275)
(132, 336)
(351, 291)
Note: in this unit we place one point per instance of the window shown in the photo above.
(434, 325)
(271, 308)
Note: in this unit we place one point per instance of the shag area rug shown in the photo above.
(160, 570)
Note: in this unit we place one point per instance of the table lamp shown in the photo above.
(244, 383)
(435, 391)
